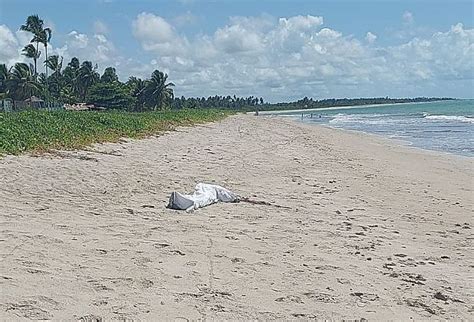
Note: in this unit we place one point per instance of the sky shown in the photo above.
(280, 50)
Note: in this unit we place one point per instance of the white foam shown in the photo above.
(368, 119)
(451, 118)
(342, 118)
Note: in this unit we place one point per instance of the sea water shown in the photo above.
(446, 126)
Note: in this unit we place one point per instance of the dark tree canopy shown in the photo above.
(109, 75)
(110, 96)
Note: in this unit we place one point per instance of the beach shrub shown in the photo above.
(110, 95)
(41, 131)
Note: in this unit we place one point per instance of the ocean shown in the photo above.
(446, 126)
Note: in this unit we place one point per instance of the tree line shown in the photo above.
(309, 103)
(223, 102)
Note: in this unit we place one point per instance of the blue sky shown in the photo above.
(278, 49)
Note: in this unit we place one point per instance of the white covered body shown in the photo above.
(204, 195)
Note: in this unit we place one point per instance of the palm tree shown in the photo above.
(43, 36)
(87, 76)
(40, 35)
(109, 75)
(55, 63)
(70, 79)
(4, 75)
(158, 92)
(22, 83)
(42, 79)
(136, 88)
(68, 95)
(55, 81)
(30, 52)
(34, 25)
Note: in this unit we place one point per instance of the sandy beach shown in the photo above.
(360, 227)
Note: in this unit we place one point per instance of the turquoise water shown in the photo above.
(446, 126)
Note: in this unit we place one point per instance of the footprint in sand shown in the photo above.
(90, 318)
(35, 308)
(237, 260)
(365, 297)
(29, 310)
(142, 261)
(290, 298)
(321, 297)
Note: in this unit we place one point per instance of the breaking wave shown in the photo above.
(457, 118)
(369, 119)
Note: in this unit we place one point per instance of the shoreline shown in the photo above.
(389, 140)
(400, 142)
(365, 228)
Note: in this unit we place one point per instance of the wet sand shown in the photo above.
(367, 228)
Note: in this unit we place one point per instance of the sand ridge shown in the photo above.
(373, 230)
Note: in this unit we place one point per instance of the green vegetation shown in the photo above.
(309, 103)
(41, 131)
(253, 103)
(109, 96)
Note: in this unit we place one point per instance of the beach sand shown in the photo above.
(367, 228)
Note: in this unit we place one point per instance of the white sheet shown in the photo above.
(204, 195)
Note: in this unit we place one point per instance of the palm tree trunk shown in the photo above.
(36, 72)
(46, 65)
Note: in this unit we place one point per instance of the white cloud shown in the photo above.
(184, 19)
(100, 27)
(156, 34)
(237, 38)
(301, 23)
(24, 37)
(446, 55)
(10, 46)
(152, 29)
(370, 37)
(77, 40)
(97, 48)
(50, 24)
(410, 29)
(408, 17)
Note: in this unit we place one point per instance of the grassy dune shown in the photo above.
(41, 131)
